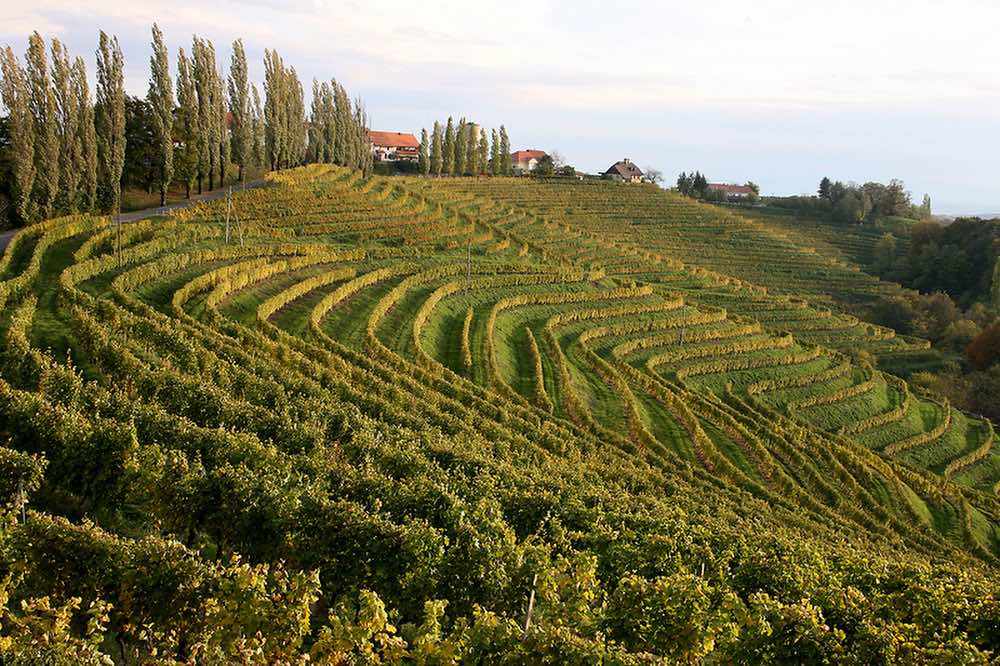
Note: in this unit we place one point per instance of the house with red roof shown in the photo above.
(394, 146)
(525, 161)
(728, 191)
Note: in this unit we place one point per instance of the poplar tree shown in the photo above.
(259, 142)
(316, 147)
(274, 109)
(225, 154)
(188, 129)
(472, 149)
(43, 111)
(86, 137)
(110, 121)
(448, 164)
(482, 163)
(16, 97)
(505, 166)
(239, 106)
(343, 114)
(425, 160)
(436, 157)
(161, 103)
(296, 119)
(203, 55)
(495, 155)
(67, 122)
(461, 143)
(328, 111)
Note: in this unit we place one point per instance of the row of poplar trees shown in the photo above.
(464, 149)
(67, 150)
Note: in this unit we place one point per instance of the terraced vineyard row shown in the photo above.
(448, 389)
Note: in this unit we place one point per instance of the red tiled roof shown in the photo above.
(730, 189)
(393, 139)
(525, 155)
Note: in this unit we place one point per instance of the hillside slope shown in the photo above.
(636, 410)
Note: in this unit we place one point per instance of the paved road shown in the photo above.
(137, 215)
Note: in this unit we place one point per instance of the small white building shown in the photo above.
(394, 146)
(525, 161)
(731, 191)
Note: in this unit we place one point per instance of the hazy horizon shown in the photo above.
(781, 94)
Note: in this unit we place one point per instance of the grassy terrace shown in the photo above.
(571, 331)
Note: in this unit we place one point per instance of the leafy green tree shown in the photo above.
(824, 188)
(472, 149)
(545, 167)
(425, 160)
(206, 78)
(110, 120)
(141, 169)
(241, 110)
(43, 110)
(461, 147)
(259, 137)
(885, 254)
(448, 163)
(316, 148)
(437, 159)
(86, 138)
(67, 122)
(161, 102)
(16, 97)
(995, 284)
(188, 124)
(505, 160)
(343, 125)
(495, 154)
(483, 158)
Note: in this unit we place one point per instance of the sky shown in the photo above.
(780, 92)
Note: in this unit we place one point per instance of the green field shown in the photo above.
(649, 413)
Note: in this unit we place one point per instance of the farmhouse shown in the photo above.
(394, 146)
(737, 191)
(625, 171)
(525, 161)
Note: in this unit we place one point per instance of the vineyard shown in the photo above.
(467, 419)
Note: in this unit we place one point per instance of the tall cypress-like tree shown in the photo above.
(505, 165)
(239, 107)
(17, 99)
(161, 104)
(448, 163)
(483, 158)
(67, 121)
(188, 122)
(43, 110)
(436, 150)
(461, 147)
(86, 137)
(259, 139)
(342, 105)
(472, 149)
(274, 109)
(224, 145)
(296, 119)
(495, 155)
(317, 148)
(203, 56)
(425, 158)
(110, 121)
(328, 129)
